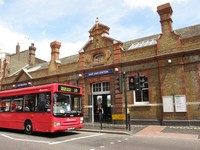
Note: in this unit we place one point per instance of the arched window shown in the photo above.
(98, 58)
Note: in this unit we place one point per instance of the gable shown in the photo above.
(23, 76)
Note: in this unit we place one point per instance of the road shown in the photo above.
(77, 140)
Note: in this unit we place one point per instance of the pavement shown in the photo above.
(188, 132)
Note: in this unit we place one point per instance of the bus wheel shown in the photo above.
(28, 128)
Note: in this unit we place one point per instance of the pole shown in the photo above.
(101, 121)
(129, 121)
(125, 95)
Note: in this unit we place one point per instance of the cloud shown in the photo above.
(42, 22)
(1, 2)
(68, 48)
(10, 39)
(148, 3)
(43, 49)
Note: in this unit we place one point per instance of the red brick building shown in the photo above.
(167, 66)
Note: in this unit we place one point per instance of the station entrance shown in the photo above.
(103, 101)
(101, 97)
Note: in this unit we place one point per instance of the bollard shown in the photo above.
(129, 121)
(101, 120)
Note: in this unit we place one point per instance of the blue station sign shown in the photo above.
(98, 73)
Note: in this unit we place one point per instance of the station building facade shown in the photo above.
(167, 64)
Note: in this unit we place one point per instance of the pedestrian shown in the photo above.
(100, 110)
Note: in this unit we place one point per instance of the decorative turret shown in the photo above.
(32, 50)
(55, 46)
(98, 29)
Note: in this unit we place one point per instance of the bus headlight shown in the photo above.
(81, 120)
(56, 124)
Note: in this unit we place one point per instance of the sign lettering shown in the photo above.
(68, 89)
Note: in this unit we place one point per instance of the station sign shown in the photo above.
(98, 73)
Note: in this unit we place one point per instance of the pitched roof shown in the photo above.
(189, 32)
(20, 61)
(145, 41)
(186, 32)
(15, 64)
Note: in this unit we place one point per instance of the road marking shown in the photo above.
(73, 139)
(24, 140)
(7, 136)
(47, 142)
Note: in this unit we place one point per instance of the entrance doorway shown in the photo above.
(105, 101)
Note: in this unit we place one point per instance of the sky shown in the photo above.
(68, 21)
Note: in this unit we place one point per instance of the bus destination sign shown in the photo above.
(68, 89)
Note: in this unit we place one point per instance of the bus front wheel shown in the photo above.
(28, 128)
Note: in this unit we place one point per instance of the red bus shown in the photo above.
(45, 108)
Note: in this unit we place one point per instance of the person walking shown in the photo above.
(100, 110)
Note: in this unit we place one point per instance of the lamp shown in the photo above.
(116, 69)
(77, 80)
(169, 61)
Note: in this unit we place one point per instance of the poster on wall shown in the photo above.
(180, 103)
(168, 104)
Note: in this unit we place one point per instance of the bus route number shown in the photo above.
(69, 89)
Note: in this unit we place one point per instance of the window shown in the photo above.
(97, 87)
(106, 86)
(101, 87)
(26, 103)
(11, 104)
(5, 104)
(17, 103)
(142, 96)
(43, 102)
(98, 58)
(64, 104)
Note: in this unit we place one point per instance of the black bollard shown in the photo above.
(129, 122)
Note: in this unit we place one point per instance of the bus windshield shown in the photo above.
(65, 104)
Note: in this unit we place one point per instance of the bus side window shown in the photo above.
(5, 104)
(2, 106)
(43, 101)
(13, 106)
(17, 103)
(29, 102)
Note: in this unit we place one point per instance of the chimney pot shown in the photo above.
(17, 48)
(165, 11)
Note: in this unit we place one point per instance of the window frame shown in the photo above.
(143, 95)
(103, 87)
(98, 58)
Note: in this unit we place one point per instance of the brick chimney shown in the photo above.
(6, 66)
(17, 48)
(32, 50)
(55, 46)
(165, 11)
